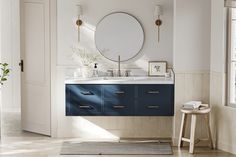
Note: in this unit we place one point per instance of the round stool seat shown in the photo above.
(204, 110)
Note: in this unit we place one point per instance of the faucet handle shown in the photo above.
(127, 73)
(110, 73)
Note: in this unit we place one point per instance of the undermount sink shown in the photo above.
(106, 78)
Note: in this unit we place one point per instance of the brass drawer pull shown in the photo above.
(119, 92)
(87, 93)
(85, 107)
(153, 92)
(118, 106)
(153, 107)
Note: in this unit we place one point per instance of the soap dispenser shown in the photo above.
(95, 70)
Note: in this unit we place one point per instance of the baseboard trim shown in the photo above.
(226, 147)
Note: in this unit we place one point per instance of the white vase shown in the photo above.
(86, 72)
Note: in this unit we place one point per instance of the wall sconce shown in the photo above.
(79, 22)
(157, 13)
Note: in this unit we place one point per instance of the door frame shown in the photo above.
(53, 33)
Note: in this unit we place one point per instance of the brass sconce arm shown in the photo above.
(158, 23)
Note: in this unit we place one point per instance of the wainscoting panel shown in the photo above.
(190, 86)
(223, 117)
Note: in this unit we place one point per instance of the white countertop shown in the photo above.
(121, 80)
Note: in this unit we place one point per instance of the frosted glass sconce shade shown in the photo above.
(79, 10)
(158, 11)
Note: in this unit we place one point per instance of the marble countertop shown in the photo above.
(121, 80)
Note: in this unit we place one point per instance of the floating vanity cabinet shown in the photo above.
(119, 100)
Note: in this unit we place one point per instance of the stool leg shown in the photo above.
(192, 132)
(208, 130)
(182, 129)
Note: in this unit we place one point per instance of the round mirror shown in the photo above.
(119, 34)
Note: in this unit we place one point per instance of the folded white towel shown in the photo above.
(192, 105)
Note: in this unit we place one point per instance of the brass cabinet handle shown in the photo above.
(87, 93)
(85, 107)
(153, 107)
(153, 92)
(118, 106)
(120, 92)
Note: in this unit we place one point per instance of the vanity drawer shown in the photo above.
(83, 100)
(160, 92)
(118, 92)
(119, 107)
(144, 108)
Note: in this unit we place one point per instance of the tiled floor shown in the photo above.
(15, 143)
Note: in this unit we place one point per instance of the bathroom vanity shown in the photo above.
(137, 96)
(120, 96)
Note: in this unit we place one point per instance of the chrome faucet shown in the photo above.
(119, 72)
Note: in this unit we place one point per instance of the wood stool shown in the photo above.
(202, 111)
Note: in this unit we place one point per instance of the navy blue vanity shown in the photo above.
(117, 96)
(119, 99)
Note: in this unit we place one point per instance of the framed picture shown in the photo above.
(157, 68)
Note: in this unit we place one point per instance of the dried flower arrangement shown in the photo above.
(84, 56)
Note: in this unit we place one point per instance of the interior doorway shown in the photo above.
(10, 111)
(10, 53)
(25, 96)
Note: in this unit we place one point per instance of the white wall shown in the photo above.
(223, 117)
(10, 52)
(191, 58)
(94, 10)
(218, 38)
(192, 35)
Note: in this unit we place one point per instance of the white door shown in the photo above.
(35, 53)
